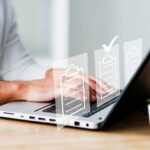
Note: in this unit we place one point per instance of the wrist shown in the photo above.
(18, 90)
(11, 91)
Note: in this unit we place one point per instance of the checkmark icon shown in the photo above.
(108, 48)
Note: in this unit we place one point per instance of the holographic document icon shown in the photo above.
(108, 74)
(132, 61)
(72, 79)
(133, 57)
(108, 71)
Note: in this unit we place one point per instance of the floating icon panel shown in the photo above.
(107, 70)
(72, 80)
(71, 90)
(132, 60)
(133, 57)
(108, 74)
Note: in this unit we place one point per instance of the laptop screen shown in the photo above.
(133, 97)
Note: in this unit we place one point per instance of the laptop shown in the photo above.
(131, 99)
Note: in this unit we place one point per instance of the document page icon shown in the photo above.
(107, 70)
(108, 74)
(71, 89)
(72, 106)
(133, 57)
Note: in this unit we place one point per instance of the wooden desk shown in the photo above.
(131, 134)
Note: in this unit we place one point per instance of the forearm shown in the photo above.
(9, 91)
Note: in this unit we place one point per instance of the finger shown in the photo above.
(103, 87)
(93, 98)
(75, 95)
(95, 85)
(49, 73)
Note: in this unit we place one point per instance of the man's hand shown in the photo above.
(43, 90)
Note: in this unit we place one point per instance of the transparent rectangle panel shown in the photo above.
(108, 74)
(132, 57)
(71, 89)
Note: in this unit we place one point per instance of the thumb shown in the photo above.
(49, 73)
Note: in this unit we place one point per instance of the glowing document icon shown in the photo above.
(132, 61)
(108, 73)
(70, 80)
(133, 57)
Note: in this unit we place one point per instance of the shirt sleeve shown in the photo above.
(15, 62)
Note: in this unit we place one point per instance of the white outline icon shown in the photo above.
(133, 60)
(108, 71)
(133, 57)
(72, 106)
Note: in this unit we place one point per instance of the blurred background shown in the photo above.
(55, 29)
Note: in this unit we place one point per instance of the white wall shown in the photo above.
(34, 24)
(44, 26)
(60, 28)
(95, 22)
(89, 23)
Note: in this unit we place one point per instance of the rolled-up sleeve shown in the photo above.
(15, 62)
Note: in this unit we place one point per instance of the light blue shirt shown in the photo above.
(15, 61)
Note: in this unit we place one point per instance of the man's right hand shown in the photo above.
(43, 90)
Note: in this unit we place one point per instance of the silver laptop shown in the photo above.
(100, 117)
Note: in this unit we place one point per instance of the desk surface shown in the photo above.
(131, 134)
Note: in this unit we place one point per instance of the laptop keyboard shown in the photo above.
(93, 107)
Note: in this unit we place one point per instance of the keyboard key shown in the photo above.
(93, 107)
